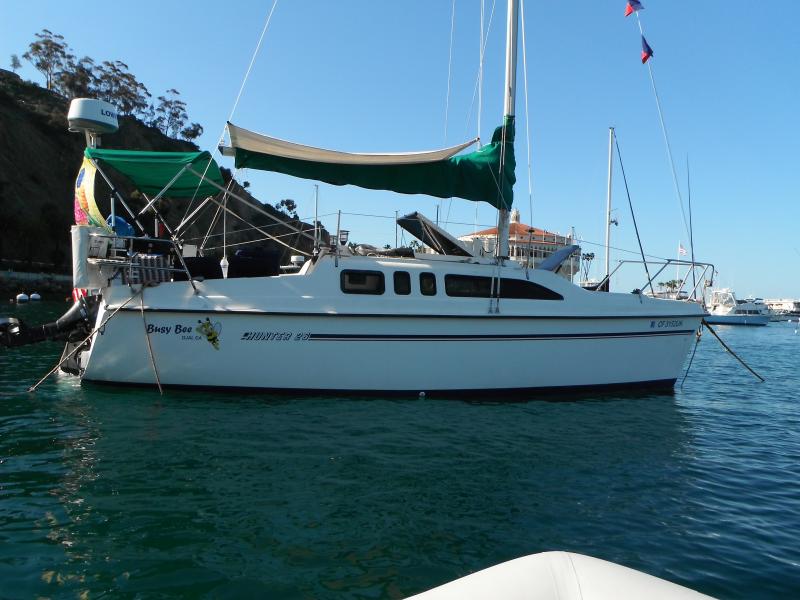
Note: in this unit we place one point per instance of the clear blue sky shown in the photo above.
(372, 76)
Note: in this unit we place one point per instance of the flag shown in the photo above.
(85, 207)
(632, 7)
(681, 250)
(647, 51)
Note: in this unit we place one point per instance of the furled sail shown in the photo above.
(485, 175)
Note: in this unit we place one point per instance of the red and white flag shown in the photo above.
(681, 250)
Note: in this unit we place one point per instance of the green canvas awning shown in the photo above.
(486, 175)
(152, 171)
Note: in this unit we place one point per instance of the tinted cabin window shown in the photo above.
(362, 282)
(427, 284)
(468, 286)
(522, 289)
(402, 283)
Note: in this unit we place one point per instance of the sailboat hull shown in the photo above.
(367, 354)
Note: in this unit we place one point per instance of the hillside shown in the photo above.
(39, 160)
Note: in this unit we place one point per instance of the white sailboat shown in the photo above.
(450, 322)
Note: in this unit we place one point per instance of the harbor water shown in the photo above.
(123, 492)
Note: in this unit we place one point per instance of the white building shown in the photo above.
(526, 244)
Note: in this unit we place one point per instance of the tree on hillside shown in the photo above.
(15, 64)
(288, 206)
(77, 78)
(171, 113)
(192, 132)
(116, 84)
(48, 54)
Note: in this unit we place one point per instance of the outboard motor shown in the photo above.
(73, 325)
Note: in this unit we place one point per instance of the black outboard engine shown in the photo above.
(73, 325)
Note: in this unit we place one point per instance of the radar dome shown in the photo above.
(92, 116)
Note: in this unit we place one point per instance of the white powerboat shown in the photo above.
(405, 322)
(725, 309)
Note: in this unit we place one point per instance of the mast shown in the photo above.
(512, 30)
(608, 204)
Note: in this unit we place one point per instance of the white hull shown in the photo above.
(441, 344)
(388, 353)
(756, 320)
(559, 576)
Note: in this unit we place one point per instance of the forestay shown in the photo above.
(485, 175)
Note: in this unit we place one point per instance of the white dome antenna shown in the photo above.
(93, 117)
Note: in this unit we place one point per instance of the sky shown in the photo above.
(371, 76)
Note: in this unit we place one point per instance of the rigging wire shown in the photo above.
(236, 102)
(449, 69)
(527, 112)
(484, 38)
(633, 217)
(664, 132)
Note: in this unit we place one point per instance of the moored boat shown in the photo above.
(454, 321)
(725, 309)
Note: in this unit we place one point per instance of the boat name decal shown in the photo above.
(204, 330)
(665, 323)
(274, 336)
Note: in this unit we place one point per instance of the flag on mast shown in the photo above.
(647, 51)
(681, 250)
(632, 7)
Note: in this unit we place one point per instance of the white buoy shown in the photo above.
(35, 296)
(22, 298)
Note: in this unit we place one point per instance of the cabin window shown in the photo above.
(468, 286)
(402, 283)
(362, 282)
(522, 289)
(427, 284)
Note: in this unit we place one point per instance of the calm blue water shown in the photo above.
(123, 492)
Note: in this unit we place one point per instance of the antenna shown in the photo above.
(93, 117)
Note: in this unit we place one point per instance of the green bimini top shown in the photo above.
(485, 175)
(152, 171)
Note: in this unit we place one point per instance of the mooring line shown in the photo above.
(86, 339)
(691, 360)
(724, 345)
(149, 346)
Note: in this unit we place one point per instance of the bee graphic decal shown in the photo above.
(211, 331)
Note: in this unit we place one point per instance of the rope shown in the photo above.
(149, 346)
(664, 132)
(80, 345)
(691, 360)
(724, 345)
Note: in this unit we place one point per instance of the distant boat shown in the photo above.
(35, 296)
(22, 298)
(725, 309)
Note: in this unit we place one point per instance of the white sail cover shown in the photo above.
(256, 142)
